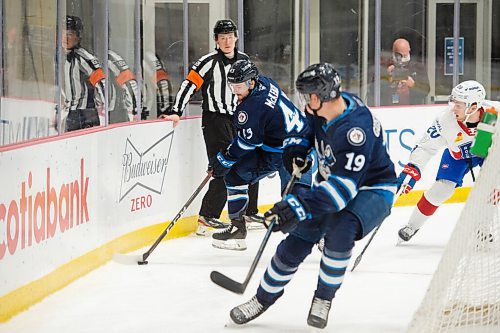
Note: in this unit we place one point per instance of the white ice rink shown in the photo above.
(174, 292)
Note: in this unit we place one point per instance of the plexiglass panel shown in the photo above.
(28, 73)
(269, 39)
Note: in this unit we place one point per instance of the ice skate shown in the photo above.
(255, 222)
(406, 233)
(207, 225)
(233, 238)
(248, 311)
(318, 314)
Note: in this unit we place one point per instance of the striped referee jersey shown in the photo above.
(123, 85)
(209, 74)
(83, 80)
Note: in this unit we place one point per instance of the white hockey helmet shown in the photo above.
(470, 92)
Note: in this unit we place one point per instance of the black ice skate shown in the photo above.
(318, 314)
(233, 238)
(245, 312)
(406, 233)
(207, 225)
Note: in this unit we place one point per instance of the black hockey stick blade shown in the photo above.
(227, 283)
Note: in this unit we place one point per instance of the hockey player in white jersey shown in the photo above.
(454, 130)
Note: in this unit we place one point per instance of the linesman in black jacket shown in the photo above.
(208, 74)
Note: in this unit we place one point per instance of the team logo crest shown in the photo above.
(356, 136)
(459, 137)
(377, 127)
(242, 117)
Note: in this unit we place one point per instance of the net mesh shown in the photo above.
(464, 294)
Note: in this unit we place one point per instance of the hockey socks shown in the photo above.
(237, 200)
(331, 273)
(285, 262)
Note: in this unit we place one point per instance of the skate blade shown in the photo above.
(255, 226)
(204, 231)
(233, 244)
(400, 241)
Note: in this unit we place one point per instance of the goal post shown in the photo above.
(464, 293)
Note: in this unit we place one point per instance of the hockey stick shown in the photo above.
(239, 288)
(140, 259)
(358, 258)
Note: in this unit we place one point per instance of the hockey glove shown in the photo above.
(289, 212)
(407, 178)
(296, 155)
(220, 164)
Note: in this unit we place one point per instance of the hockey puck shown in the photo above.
(145, 262)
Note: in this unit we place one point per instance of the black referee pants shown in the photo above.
(218, 132)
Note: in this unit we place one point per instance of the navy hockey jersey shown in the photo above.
(264, 119)
(352, 157)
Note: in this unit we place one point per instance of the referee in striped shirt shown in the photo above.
(208, 74)
(84, 80)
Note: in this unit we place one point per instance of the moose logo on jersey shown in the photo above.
(326, 159)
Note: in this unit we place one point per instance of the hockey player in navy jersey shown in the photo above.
(351, 194)
(263, 118)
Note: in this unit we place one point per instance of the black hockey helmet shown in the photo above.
(74, 23)
(242, 71)
(224, 27)
(320, 79)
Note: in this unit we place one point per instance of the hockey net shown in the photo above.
(464, 294)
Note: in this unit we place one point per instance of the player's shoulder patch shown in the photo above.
(377, 126)
(356, 136)
(242, 117)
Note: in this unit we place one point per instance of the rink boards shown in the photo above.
(68, 203)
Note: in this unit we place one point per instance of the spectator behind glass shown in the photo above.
(84, 80)
(406, 81)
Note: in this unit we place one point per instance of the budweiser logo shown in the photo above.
(145, 167)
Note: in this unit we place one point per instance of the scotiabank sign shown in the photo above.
(41, 213)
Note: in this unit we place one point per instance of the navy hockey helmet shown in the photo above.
(74, 23)
(320, 79)
(224, 27)
(242, 71)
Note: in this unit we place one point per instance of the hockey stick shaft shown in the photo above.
(239, 288)
(358, 258)
(193, 196)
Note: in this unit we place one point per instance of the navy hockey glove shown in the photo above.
(296, 155)
(220, 164)
(407, 178)
(289, 212)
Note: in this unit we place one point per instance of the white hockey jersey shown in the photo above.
(445, 132)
